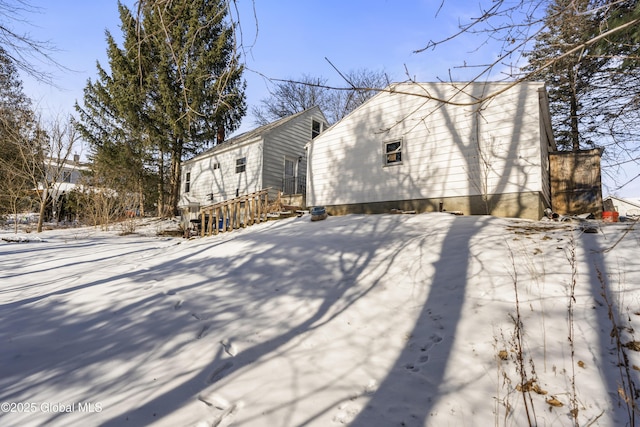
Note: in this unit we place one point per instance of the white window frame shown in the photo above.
(187, 182)
(314, 134)
(386, 155)
(241, 164)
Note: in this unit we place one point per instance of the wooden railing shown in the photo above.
(234, 213)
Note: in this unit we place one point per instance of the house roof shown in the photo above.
(249, 135)
(631, 201)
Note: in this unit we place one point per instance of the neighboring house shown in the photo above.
(65, 175)
(271, 156)
(476, 148)
(624, 206)
(62, 176)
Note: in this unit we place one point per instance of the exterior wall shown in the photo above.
(288, 141)
(522, 205)
(68, 175)
(546, 140)
(223, 183)
(463, 151)
(265, 149)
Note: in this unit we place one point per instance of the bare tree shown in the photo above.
(23, 50)
(289, 97)
(293, 96)
(45, 160)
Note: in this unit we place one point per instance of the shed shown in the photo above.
(576, 186)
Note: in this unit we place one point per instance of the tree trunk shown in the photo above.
(575, 134)
(174, 180)
(43, 206)
(160, 212)
(141, 199)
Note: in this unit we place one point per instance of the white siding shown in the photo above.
(288, 141)
(223, 182)
(265, 149)
(449, 150)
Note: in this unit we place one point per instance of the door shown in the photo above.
(289, 183)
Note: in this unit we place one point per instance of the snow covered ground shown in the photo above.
(380, 320)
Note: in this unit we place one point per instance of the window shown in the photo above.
(289, 167)
(241, 164)
(392, 153)
(216, 166)
(187, 182)
(66, 176)
(316, 128)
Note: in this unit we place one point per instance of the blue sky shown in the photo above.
(293, 38)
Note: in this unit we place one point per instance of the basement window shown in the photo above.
(392, 151)
(241, 165)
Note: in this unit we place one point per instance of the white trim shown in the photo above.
(385, 154)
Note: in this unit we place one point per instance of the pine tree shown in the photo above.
(18, 130)
(572, 72)
(175, 88)
(592, 77)
(113, 119)
(199, 94)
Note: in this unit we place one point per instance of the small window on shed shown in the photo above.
(392, 152)
(316, 128)
(187, 182)
(241, 165)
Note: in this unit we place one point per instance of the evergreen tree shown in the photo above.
(198, 95)
(18, 131)
(114, 121)
(571, 76)
(592, 77)
(175, 87)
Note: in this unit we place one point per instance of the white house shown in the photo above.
(64, 174)
(271, 156)
(626, 207)
(61, 177)
(477, 148)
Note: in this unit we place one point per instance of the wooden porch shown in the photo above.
(238, 212)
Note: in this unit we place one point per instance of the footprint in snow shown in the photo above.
(219, 373)
(347, 412)
(222, 411)
(229, 348)
(423, 356)
(203, 331)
